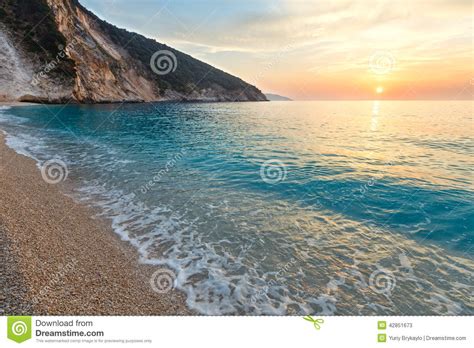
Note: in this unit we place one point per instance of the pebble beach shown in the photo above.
(60, 259)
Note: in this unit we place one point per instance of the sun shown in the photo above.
(379, 90)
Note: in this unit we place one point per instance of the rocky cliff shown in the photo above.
(57, 51)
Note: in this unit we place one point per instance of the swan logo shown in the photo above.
(19, 328)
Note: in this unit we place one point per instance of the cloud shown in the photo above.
(318, 43)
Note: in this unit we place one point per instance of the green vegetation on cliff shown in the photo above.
(190, 71)
(32, 24)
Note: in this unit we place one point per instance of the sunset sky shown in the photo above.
(318, 49)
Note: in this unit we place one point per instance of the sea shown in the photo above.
(276, 208)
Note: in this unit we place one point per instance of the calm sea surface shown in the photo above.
(334, 207)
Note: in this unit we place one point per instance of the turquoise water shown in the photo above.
(283, 207)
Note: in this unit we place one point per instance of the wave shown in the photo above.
(222, 277)
(20, 142)
(245, 248)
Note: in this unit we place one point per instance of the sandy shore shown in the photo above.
(60, 260)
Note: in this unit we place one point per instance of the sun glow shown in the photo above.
(379, 90)
(309, 50)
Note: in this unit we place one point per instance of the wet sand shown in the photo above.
(59, 259)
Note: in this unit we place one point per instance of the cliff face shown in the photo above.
(57, 51)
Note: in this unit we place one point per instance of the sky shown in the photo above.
(308, 49)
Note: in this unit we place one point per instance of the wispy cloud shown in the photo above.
(331, 42)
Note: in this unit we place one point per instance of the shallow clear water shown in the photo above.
(283, 207)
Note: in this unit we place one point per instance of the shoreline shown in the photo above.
(16, 103)
(60, 259)
(184, 101)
